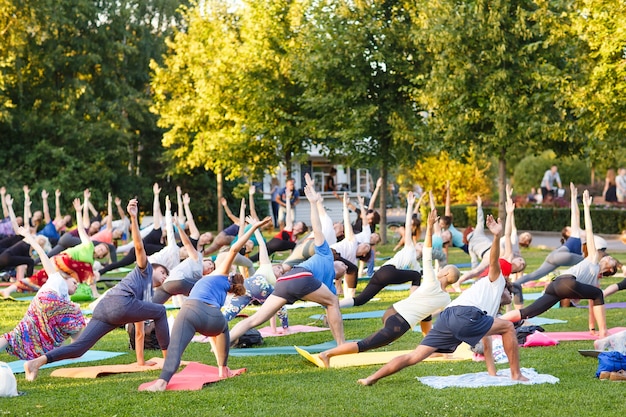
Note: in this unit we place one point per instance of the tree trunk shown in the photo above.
(220, 209)
(502, 185)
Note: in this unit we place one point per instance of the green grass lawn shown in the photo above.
(287, 385)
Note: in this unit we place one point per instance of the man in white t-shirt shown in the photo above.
(469, 318)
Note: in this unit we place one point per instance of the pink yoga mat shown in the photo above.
(267, 331)
(565, 336)
(194, 377)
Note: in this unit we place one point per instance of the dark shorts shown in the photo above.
(458, 324)
(295, 289)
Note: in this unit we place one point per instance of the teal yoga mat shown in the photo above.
(92, 355)
(354, 316)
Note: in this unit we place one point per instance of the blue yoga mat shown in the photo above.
(541, 321)
(281, 350)
(92, 355)
(354, 316)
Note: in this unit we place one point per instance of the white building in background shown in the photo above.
(354, 181)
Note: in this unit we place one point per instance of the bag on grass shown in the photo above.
(83, 293)
(250, 338)
(150, 341)
(8, 383)
(612, 361)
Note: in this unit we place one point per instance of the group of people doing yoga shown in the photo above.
(216, 289)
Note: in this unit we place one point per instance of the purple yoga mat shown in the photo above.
(609, 305)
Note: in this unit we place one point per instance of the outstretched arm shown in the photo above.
(347, 226)
(156, 207)
(194, 233)
(79, 222)
(508, 227)
(179, 203)
(372, 203)
(574, 211)
(46, 209)
(223, 268)
(47, 264)
(140, 252)
(8, 202)
(3, 193)
(494, 265)
(86, 204)
(57, 204)
(288, 208)
(109, 223)
(191, 250)
(316, 224)
(229, 213)
(264, 258)
(251, 191)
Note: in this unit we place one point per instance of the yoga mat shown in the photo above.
(542, 321)
(608, 305)
(267, 331)
(590, 353)
(532, 295)
(194, 377)
(398, 287)
(353, 316)
(568, 336)
(280, 350)
(462, 353)
(91, 372)
(483, 379)
(91, 355)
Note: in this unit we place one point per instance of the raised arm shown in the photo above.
(3, 193)
(191, 250)
(120, 210)
(494, 264)
(436, 226)
(47, 264)
(316, 224)
(79, 222)
(223, 268)
(8, 203)
(140, 252)
(372, 203)
(251, 192)
(592, 252)
(57, 204)
(156, 206)
(109, 222)
(229, 213)
(574, 211)
(194, 233)
(180, 206)
(46, 208)
(508, 227)
(408, 221)
(86, 204)
(264, 258)
(347, 226)
(169, 226)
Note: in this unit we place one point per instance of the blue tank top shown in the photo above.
(211, 289)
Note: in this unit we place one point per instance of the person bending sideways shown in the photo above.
(469, 318)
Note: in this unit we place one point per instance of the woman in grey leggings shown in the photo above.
(127, 302)
(201, 313)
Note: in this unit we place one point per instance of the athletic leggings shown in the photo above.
(111, 313)
(194, 316)
(275, 245)
(386, 275)
(559, 257)
(621, 285)
(152, 244)
(564, 286)
(394, 327)
(16, 255)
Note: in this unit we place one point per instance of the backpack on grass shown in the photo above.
(150, 341)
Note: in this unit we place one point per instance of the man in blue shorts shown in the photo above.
(469, 318)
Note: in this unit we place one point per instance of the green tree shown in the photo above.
(357, 68)
(497, 77)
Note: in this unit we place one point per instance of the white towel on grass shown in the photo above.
(483, 379)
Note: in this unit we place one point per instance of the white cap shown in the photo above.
(600, 242)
